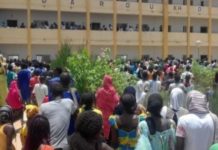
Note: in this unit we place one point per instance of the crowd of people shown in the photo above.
(55, 116)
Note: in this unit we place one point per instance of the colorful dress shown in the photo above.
(164, 140)
(127, 140)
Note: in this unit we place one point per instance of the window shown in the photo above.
(170, 1)
(191, 29)
(161, 28)
(184, 2)
(203, 29)
(191, 2)
(169, 28)
(184, 29)
(202, 3)
(12, 23)
(95, 26)
(43, 58)
(122, 26)
(13, 57)
(203, 57)
(145, 27)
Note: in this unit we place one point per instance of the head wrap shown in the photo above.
(31, 111)
(197, 102)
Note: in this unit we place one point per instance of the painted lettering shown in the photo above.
(151, 6)
(127, 5)
(199, 9)
(72, 2)
(44, 1)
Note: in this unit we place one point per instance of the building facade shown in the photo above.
(35, 29)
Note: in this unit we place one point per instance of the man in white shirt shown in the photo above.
(196, 130)
(58, 112)
(155, 85)
(40, 91)
(186, 73)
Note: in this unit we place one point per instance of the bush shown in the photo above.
(88, 73)
(61, 58)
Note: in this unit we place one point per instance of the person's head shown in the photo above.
(6, 114)
(144, 75)
(130, 90)
(187, 78)
(42, 79)
(23, 66)
(197, 102)
(88, 99)
(57, 90)
(57, 71)
(188, 68)
(31, 111)
(128, 102)
(89, 124)
(170, 75)
(177, 78)
(154, 76)
(38, 133)
(107, 81)
(155, 104)
(65, 79)
(10, 67)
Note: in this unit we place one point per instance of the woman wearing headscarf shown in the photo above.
(106, 100)
(13, 99)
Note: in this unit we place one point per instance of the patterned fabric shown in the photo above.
(127, 140)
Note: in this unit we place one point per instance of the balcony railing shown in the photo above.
(13, 36)
(41, 36)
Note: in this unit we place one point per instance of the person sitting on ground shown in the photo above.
(7, 131)
(123, 127)
(38, 136)
(40, 91)
(88, 103)
(30, 111)
(88, 133)
(156, 133)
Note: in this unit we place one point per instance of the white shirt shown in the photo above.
(40, 91)
(155, 87)
(198, 131)
(177, 98)
(184, 74)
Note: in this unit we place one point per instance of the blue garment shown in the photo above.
(68, 94)
(23, 79)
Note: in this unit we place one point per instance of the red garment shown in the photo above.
(13, 98)
(106, 100)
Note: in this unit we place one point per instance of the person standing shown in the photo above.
(58, 111)
(23, 83)
(11, 75)
(106, 100)
(198, 129)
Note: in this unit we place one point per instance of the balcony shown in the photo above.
(177, 39)
(199, 37)
(152, 38)
(100, 6)
(13, 4)
(47, 5)
(44, 36)
(177, 10)
(73, 6)
(151, 9)
(101, 38)
(74, 37)
(127, 8)
(199, 12)
(13, 36)
(127, 38)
